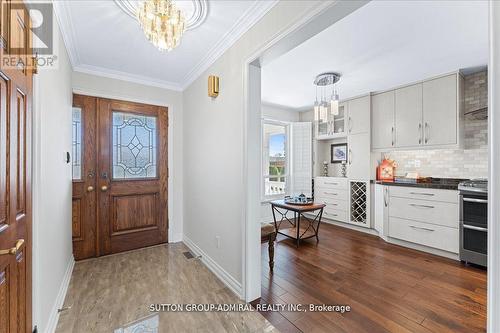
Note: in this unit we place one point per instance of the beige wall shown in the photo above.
(213, 144)
(112, 88)
(52, 188)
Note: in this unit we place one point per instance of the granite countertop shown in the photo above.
(437, 183)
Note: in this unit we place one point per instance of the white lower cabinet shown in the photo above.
(333, 192)
(432, 235)
(427, 217)
(346, 200)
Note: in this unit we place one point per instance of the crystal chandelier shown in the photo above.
(162, 22)
(325, 109)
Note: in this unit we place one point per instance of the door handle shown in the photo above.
(423, 206)
(420, 228)
(13, 250)
(420, 133)
(471, 227)
(90, 188)
(104, 188)
(426, 133)
(475, 200)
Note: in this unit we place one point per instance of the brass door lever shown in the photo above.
(13, 250)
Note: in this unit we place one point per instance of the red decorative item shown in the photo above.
(386, 170)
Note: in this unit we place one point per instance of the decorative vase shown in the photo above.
(325, 168)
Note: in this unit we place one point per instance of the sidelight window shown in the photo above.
(77, 144)
(134, 146)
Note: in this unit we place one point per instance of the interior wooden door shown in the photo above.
(15, 174)
(132, 176)
(84, 164)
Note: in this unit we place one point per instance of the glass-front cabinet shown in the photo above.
(331, 125)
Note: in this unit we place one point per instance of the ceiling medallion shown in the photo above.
(195, 11)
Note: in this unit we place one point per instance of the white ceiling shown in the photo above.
(102, 39)
(380, 46)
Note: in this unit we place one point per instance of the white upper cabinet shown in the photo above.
(358, 156)
(425, 114)
(358, 115)
(408, 116)
(440, 105)
(383, 120)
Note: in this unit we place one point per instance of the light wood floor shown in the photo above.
(389, 288)
(112, 293)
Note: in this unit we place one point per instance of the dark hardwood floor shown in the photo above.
(389, 288)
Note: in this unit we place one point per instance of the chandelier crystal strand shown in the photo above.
(163, 23)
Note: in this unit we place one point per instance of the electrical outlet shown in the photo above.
(217, 240)
(417, 163)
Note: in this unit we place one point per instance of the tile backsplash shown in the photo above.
(470, 162)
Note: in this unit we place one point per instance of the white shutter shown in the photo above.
(301, 158)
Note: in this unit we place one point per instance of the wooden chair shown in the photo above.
(268, 234)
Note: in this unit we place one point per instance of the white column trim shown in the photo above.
(493, 316)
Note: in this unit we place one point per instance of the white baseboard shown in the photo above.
(213, 266)
(61, 295)
(175, 238)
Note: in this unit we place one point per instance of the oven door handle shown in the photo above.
(475, 200)
(471, 227)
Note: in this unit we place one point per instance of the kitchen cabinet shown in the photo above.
(426, 217)
(383, 120)
(358, 111)
(381, 209)
(408, 116)
(422, 115)
(346, 201)
(440, 104)
(359, 156)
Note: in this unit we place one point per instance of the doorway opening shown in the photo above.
(356, 220)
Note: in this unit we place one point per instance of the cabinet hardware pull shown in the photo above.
(423, 206)
(330, 193)
(420, 193)
(426, 132)
(331, 183)
(420, 133)
(13, 250)
(350, 124)
(471, 227)
(350, 156)
(392, 135)
(386, 203)
(420, 228)
(475, 200)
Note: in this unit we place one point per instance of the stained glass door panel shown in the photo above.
(132, 176)
(134, 146)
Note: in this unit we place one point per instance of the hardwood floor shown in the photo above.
(389, 288)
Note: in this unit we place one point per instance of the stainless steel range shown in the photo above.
(474, 221)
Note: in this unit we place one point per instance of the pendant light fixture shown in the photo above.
(324, 108)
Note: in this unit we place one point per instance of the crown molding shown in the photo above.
(63, 17)
(251, 16)
(123, 76)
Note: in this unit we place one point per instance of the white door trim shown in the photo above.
(493, 316)
(322, 16)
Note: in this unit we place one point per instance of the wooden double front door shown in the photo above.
(119, 176)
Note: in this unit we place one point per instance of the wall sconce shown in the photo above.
(213, 86)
